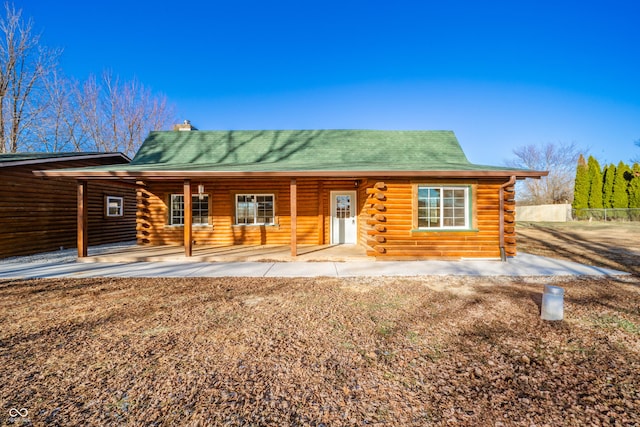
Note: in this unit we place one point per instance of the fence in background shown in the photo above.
(543, 213)
(564, 213)
(629, 214)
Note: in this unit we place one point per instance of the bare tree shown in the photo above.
(559, 159)
(41, 110)
(58, 126)
(24, 66)
(117, 116)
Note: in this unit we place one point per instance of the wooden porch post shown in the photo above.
(83, 220)
(321, 213)
(188, 240)
(294, 218)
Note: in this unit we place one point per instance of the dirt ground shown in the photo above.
(605, 244)
(323, 352)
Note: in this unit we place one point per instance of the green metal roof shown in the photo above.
(300, 150)
(167, 153)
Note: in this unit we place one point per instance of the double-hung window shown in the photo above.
(443, 207)
(199, 209)
(255, 209)
(114, 206)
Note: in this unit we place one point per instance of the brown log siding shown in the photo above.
(392, 209)
(153, 215)
(403, 240)
(39, 215)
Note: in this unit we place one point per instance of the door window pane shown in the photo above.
(343, 206)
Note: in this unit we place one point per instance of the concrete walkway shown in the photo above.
(521, 265)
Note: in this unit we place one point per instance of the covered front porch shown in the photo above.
(229, 253)
(304, 219)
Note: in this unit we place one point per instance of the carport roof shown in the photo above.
(16, 159)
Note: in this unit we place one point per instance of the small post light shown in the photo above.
(200, 191)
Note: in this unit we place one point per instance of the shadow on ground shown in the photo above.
(600, 247)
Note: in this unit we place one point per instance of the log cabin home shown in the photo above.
(398, 194)
(40, 215)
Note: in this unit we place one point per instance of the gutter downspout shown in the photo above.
(512, 180)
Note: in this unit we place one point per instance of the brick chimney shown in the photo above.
(186, 126)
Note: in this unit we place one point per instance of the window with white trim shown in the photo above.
(114, 206)
(255, 209)
(443, 207)
(199, 209)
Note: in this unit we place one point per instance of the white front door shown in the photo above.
(344, 228)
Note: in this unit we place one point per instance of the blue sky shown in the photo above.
(500, 74)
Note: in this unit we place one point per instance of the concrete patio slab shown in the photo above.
(521, 265)
(234, 253)
(304, 269)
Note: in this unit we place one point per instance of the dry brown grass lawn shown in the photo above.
(604, 244)
(333, 352)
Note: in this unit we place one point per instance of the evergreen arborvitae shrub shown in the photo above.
(581, 186)
(607, 189)
(620, 196)
(595, 183)
(634, 190)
